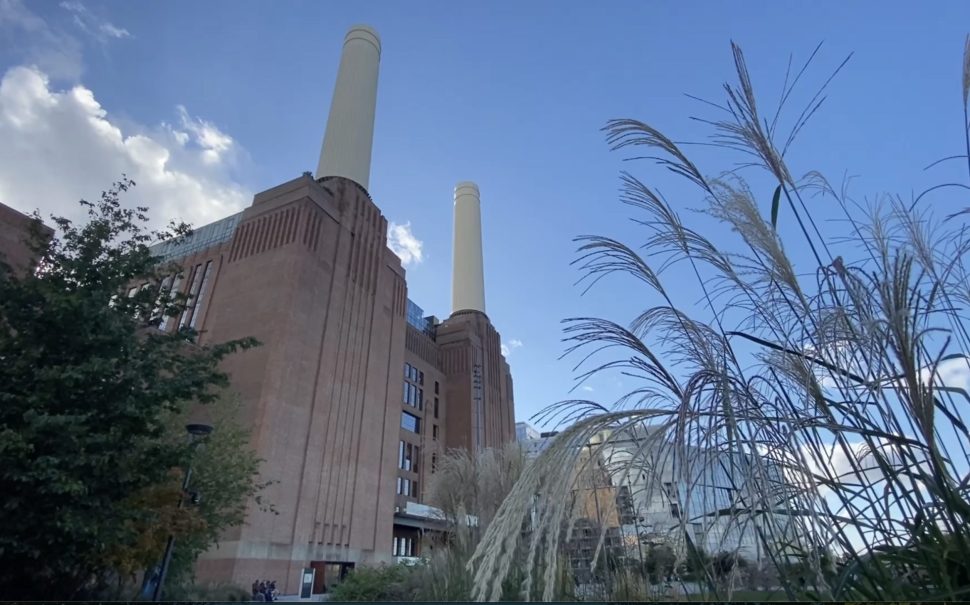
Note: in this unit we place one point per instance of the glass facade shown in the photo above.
(200, 239)
(417, 319)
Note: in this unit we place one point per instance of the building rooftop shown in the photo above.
(199, 239)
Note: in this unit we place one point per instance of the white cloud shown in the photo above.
(114, 32)
(62, 145)
(30, 40)
(402, 242)
(94, 26)
(214, 143)
(953, 373)
(587, 388)
(512, 345)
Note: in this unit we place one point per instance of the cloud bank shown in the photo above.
(61, 145)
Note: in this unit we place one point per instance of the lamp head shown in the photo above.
(198, 430)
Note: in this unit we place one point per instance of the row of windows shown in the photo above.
(198, 289)
(407, 457)
(407, 487)
(410, 422)
(413, 374)
(413, 396)
(403, 547)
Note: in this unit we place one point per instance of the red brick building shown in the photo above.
(15, 229)
(353, 394)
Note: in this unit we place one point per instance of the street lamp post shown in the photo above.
(196, 433)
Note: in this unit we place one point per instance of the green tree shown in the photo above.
(87, 391)
(225, 477)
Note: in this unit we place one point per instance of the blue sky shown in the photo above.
(511, 95)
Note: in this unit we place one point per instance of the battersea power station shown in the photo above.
(354, 394)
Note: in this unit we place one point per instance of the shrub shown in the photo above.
(382, 583)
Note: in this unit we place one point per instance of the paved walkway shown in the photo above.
(296, 597)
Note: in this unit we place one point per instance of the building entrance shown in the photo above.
(329, 574)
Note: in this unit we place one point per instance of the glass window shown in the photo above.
(407, 370)
(436, 387)
(407, 459)
(410, 422)
(434, 462)
(420, 399)
(193, 290)
(436, 406)
(174, 290)
(163, 289)
(200, 299)
(403, 547)
(434, 432)
(420, 377)
(407, 391)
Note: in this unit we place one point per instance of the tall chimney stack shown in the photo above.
(468, 273)
(349, 137)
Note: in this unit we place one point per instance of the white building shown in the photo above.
(666, 494)
(532, 441)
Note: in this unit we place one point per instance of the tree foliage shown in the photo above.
(88, 388)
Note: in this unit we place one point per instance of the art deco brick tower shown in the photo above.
(352, 396)
(308, 273)
(480, 410)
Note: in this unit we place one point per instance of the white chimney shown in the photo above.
(468, 273)
(349, 137)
